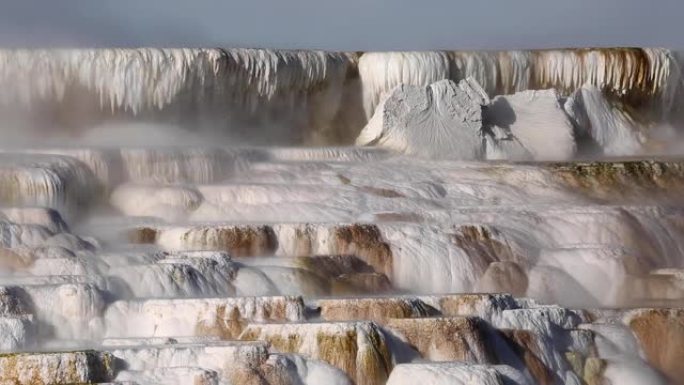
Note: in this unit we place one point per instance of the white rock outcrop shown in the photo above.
(651, 72)
(442, 120)
(529, 125)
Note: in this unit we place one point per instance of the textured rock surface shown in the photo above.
(633, 73)
(529, 125)
(147, 253)
(442, 120)
(60, 368)
(446, 339)
(659, 332)
(225, 318)
(360, 349)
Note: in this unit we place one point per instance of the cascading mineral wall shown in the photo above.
(638, 75)
(247, 86)
(299, 96)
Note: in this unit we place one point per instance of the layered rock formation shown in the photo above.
(204, 262)
(276, 96)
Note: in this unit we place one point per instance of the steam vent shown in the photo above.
(263, 217)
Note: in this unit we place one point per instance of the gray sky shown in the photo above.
(344, 24)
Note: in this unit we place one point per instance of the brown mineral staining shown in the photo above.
(357, 348)
(274, 372)
(247, 376)
(10, 189)
(331, 266)
(346, 274)
(576, 361)
(446, 338)
(472, 304)
(503, 277)
(339, 349)
(660, 333)
(482, 243)
(227, 325)
(239, 241)
(343, 179)
(594, 369)
(143, 235)
(366, 242)
(361, 283)
(590, 369)
(381, 192)
(336, 347)
(640, 290)
(374, 360)
(271, 372)
(304, 241)
(311, 284)
(526, 347)
(637, 80)
(607, 180)
(56, 368)
(11, 259)
(229, 322)
(378, 309)
(397, 217)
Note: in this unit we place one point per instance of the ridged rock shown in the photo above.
(442, 120)
(360, 349)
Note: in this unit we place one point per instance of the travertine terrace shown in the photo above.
(263, 217)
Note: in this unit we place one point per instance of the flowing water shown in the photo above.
(197, 216)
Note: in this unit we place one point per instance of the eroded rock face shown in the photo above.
(379, 309)
(51, 368)
(239, 241)
(503, 277)
(181, 261)
(367, 242)
(457, 121)
(446, 339)
(442, 120)
(360, 349)
(529, 125)
(529, 351)
(165, 294)
(660, 332)
(290, 369)
(634, 74)
(605, 180)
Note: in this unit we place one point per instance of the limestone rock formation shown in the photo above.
(60, 368)
(360, 349)
(446, 339)
(442, 120)
(632, 72)
(503, 277)
(152, 253)
(529, 125)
